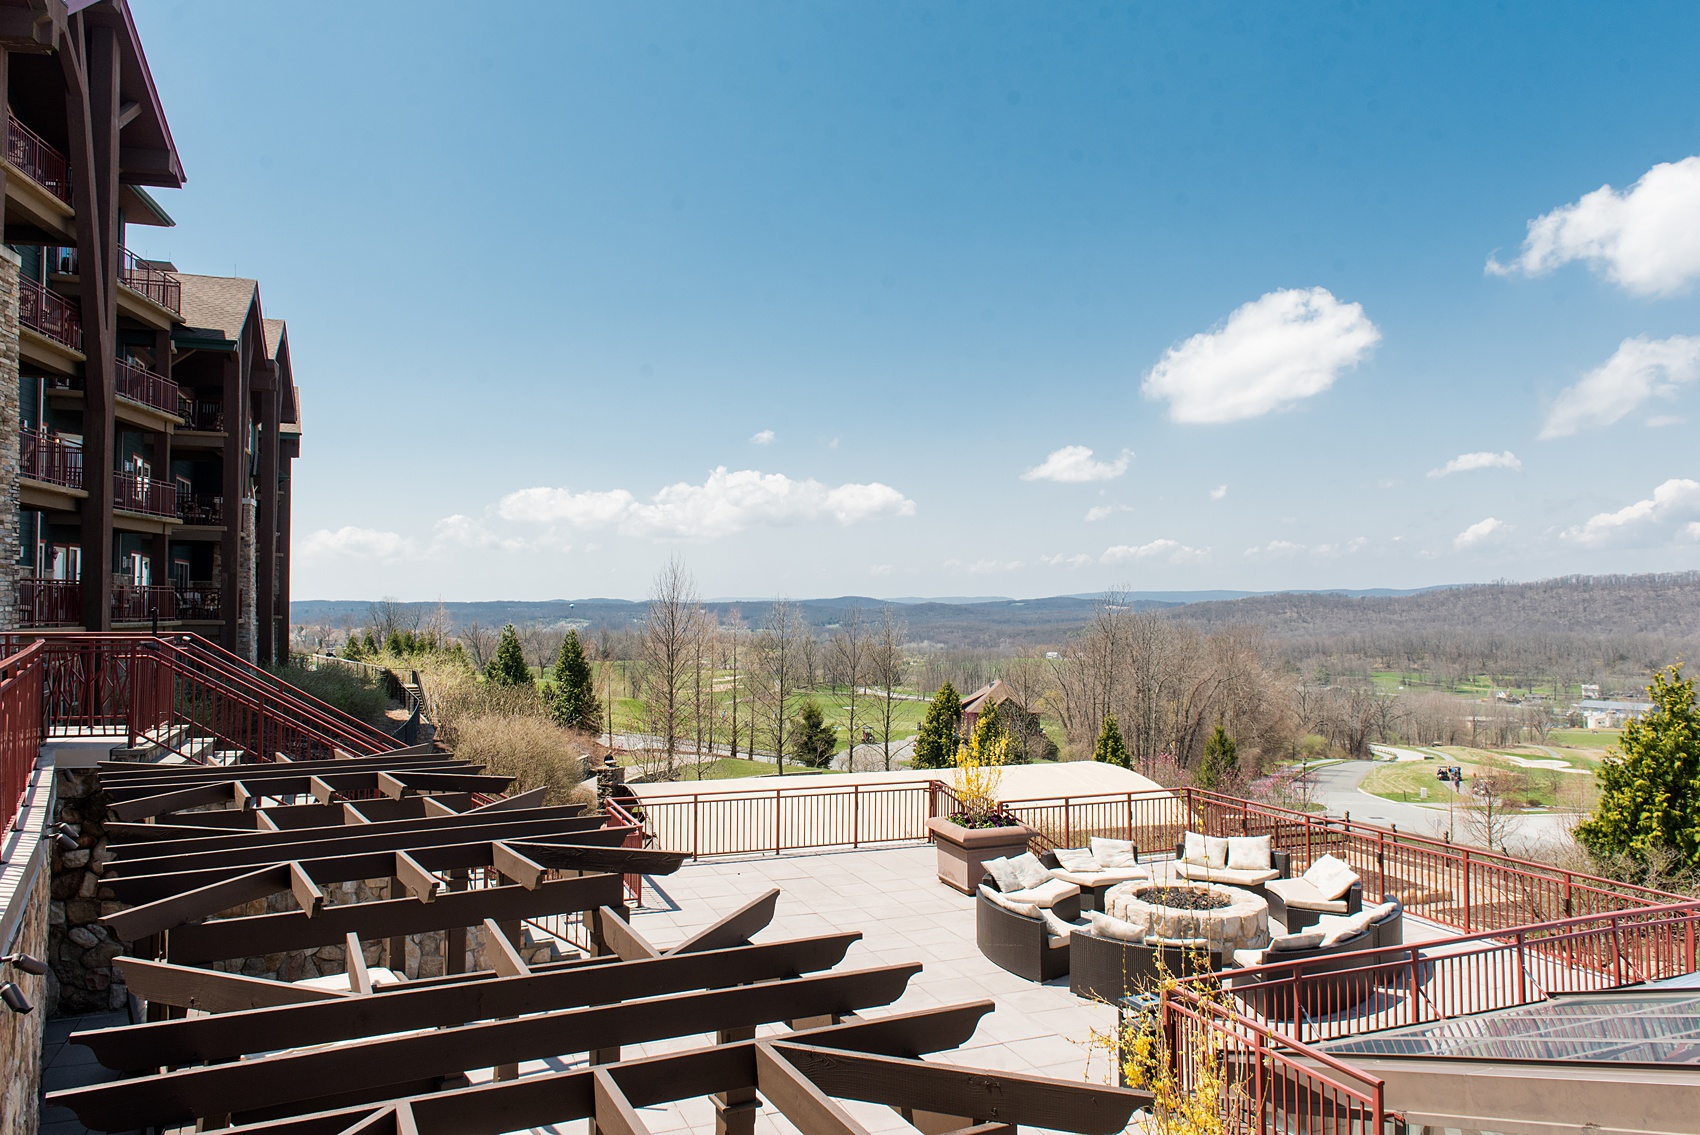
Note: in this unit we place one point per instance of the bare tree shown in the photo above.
(669, 646)
(849, 659)
(480, 643)
(1489, 818)
(734, 655)
(885, 674)
(779, 648)
(808, 653)
(390, 615)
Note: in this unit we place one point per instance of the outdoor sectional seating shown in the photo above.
(1199, 867)
(1322, 992)
(1027, 945)
(1298, 903)
(1094, 884)
(1109, 969)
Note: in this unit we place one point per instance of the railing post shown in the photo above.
(1068, 823)
(1522, 967)
(778, 803)
(695, 830)
(855, 815)
(1466, 860)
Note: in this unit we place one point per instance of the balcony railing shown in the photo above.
(146, 387)
(199, 415)
(133, 493)
(26, 150)
(49, 314)
(50, 603)
(132, 604)
(140, 276)
(54, 460)
(200, 508)
(200, 600)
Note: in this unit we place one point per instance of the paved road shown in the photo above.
(1338, 788)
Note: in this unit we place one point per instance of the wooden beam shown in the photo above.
(169, 913)
(615, 1114)
(210, 991)
(737, 927)
(528, 873)
(200, 1040)
(500, 952)
(308, 896)
(530, 798)
(420, 883)
(806, 1106)
(434, 807)
(143, 807)
(359, 977)
(621, 940)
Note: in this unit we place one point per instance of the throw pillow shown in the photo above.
(1003, 873)
(1340, 927)
(1195, 852)
(1331, 876)
(1385, 910)
(1249, 853)
(1113, 852)
(1054, 926)
(1215, 851)
(1078, 859)
(1029, 872)
(1309, 940)
(1118, 929)
(997, 899)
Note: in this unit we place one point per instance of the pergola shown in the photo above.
(781, 1022)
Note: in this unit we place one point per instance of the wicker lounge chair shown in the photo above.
(1109, 969)
(1019, 943)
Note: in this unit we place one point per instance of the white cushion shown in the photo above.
(1249, 853)
(1003, 900)
(1245, 959)
(1046, 894)
(1100, 878)
(1055, 927)
(1301, 894)
(1029, 872)
(1077, 859)
(1003, 871)
(1113, 852)
(1195, 849)
(1216, 850)
(1309, 940)
(1338, 928)
(1224, 874)
(1118, 929)
(1331, 876)
(1383, 910)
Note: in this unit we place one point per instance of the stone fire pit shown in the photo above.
(1227, 917)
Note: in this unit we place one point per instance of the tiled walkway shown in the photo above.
(66, 1065)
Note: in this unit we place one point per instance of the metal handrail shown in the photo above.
(49, 313)
(50, 459)
(44, 164)
(133, 492)
(142, 385)
(143, 278)
(21, 731)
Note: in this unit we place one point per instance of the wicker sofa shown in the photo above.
(1295, 904)
(1280, 866)
(1108, 969)
(1020, 943)
(1094, 885)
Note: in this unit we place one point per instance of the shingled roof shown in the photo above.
(217, 303)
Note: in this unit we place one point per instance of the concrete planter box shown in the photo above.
(964, 851)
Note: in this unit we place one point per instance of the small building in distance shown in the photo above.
(1610, 713)
(1025, 729)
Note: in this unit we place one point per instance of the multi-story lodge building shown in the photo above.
(145, 465)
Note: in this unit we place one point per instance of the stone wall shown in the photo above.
(79, 951)
(247, 579)
(10, 418)
(21, 1034)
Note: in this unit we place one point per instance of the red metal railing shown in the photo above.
(21, 730)
(201, 600)
(132, 604)
(43, 457)
(134, 493)
(141, 277)
(142, 385)
(199, 415)
(50, 603)
(200, 508)
(49, 314)
(791, 818)
(619, 817)
(45, 165)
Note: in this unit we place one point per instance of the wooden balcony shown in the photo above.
(51, 460)
(144, 386)
(50, 603)
(45, 165)
(200, 509)
(144, 495)
(146, 280)
(132, 604)
(199, 601)
(49, 314)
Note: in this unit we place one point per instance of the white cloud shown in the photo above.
(1079, 559)
(1673, 502)
(1660, 421)
(1350, 548)
(724, 504)
(357, 543)
(1271, 352)
(1645, 239)
(763, 437)
(1073, 464)
(1275, 549)
(1475, 534)
(1218, 492)
(989, 567)
(1639, 369)
(1172, 550)
(880, 569)
(1470, 462)
(1105, 511)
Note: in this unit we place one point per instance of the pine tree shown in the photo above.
(351, 648)
(508, 667)
(1649, 805)
(1111, 749)
(575, 704)
(812, 740)
(935, 743)
(1221, 759)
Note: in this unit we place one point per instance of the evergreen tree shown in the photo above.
(394, 645)
(1111, 749)
(351, 648)
(508, 667)
(812, 740)
(1221, 759)
(1649, 805)
(575, 704)
(935, 744)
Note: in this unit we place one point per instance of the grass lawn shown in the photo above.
(1598, 739)
(1536, 787)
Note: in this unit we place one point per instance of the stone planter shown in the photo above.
(964, 851)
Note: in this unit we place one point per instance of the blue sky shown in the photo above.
(830, 297)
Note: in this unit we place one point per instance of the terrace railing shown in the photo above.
(619, 817)
(789, 818)
(200, 508)
(200, 600)
(142, 385)
(50, 314)
(199, 415)
(46, 166)
(50, 603)
(53, 460)
(135, 604)
(134, 493)
(21, 730)
(143, 278)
